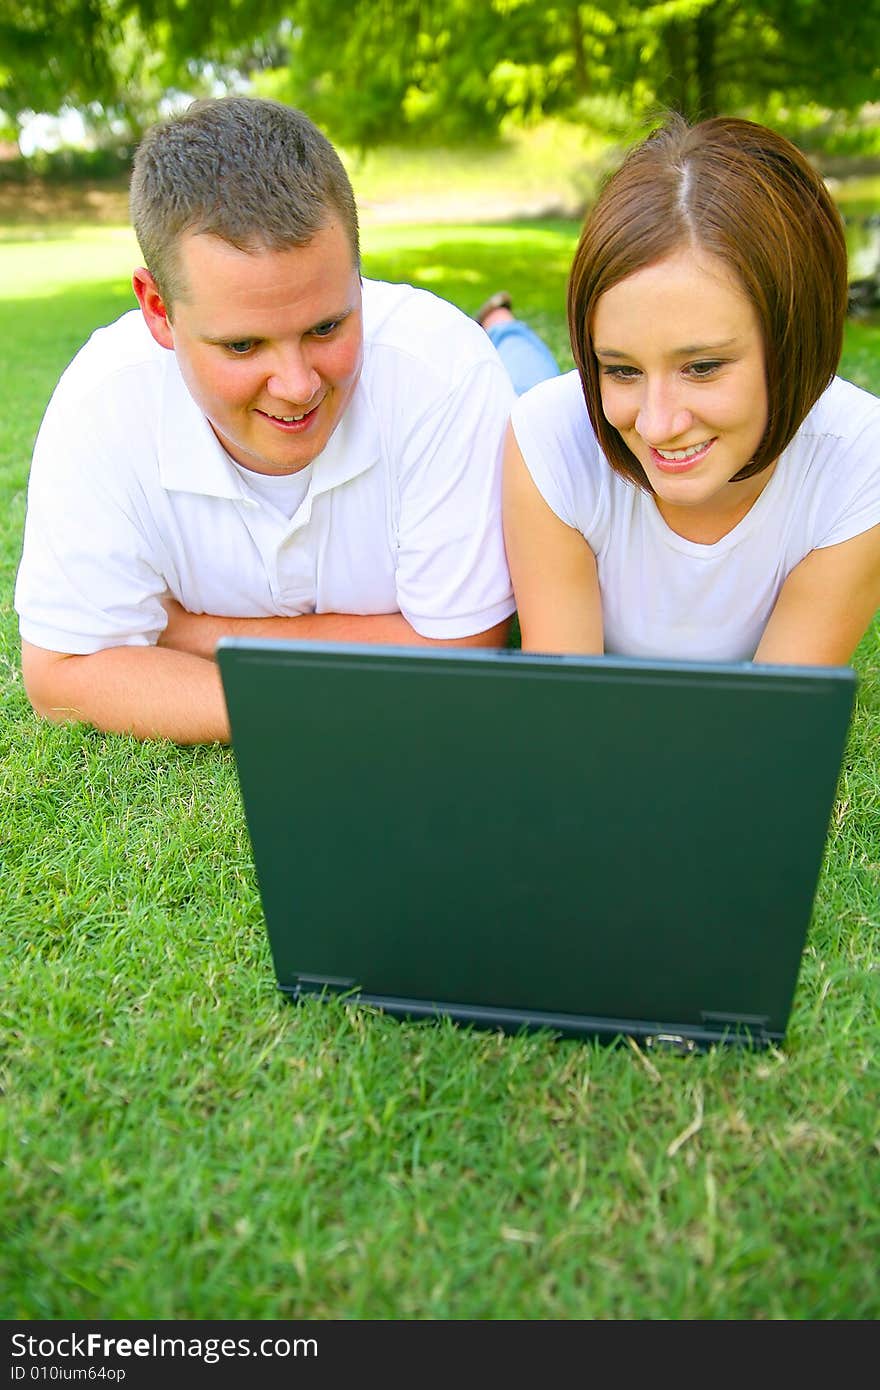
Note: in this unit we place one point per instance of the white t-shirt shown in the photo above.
(664, 596)
(131, 496)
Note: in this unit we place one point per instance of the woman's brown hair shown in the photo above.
(745, 194)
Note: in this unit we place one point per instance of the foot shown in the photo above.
(497, 309)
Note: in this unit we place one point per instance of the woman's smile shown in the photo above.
(680, 460)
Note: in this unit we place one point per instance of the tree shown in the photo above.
(385, 68)
(116, 59)
(376, 70)
(459, 66)
(704, 56)
(41, 68)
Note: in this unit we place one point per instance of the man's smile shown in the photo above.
(302, 418)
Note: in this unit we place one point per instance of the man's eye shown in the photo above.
(240, 347)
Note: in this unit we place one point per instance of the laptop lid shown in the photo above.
(598, 846)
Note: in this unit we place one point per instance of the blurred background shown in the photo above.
(461, 110)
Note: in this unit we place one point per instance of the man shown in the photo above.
(269, 447)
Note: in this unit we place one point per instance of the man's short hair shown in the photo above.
(745, 194)
(256, 173)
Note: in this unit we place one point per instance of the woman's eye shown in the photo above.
(621, 373)
(701, 369)
(241, 347)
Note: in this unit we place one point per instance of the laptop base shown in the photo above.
(653, 1035)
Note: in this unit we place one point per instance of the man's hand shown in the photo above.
(196, 633)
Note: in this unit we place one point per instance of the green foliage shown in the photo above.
(115, 60)
(461, 67)
(54, 52)
(827, 134)
(387, 70)
(384, 70)
(61, 166)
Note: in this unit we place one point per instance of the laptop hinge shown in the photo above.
(751, 1027)
(319, 984)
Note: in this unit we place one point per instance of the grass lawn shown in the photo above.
(181, 1143)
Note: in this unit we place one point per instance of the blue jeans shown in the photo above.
(528, 360)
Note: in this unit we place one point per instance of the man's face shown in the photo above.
(269, 343)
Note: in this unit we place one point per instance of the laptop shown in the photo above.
(593, 846)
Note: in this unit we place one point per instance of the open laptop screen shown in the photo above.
(591, 844)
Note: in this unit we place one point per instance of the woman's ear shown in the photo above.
(153, 307)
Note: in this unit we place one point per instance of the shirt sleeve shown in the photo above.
(556, 440)
(452, 576)
(87, 579)
(852, 494)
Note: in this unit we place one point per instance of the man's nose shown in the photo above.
(293, 378)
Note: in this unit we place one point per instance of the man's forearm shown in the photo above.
(199, 633)
(145, 691)
(173, 693)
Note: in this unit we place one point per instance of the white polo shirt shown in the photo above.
(666, 596)
(132, 497)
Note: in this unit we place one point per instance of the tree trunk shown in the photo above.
(581, 74)
(706, 78)
(674, 88)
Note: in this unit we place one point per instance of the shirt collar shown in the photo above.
(192, 459)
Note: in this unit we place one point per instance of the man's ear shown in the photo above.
(153, 308)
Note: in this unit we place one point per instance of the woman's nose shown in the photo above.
(662, 417)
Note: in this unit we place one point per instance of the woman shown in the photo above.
(703, 487)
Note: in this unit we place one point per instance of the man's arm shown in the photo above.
(146, 691)
(199, 633)
(174, 691)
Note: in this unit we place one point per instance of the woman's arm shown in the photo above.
(553, 569)
(825, 605)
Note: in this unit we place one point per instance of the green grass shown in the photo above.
(181, 1143)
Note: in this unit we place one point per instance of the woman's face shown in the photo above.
(681, 365)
